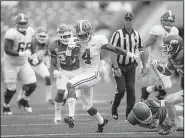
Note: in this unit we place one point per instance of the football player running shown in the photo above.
(89, 54)
(173, 47)
(17, 46)
(157, 82)
(40, 61)
(63, 72)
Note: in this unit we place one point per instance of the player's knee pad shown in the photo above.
(9, 94)
(60, 96)
(167, 85)
(29, 88)
(92, 111)
(47, 80)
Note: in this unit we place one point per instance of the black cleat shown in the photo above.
(6, 111)
(145, 94)
(70, 121)
(114, 113)
(101, 126)
(25, 105)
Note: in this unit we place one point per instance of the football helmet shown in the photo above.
(172, 44)
(42, 35)
(83, 30)
(140, 113)
(65, 33)
(168, 20)
(21, 22)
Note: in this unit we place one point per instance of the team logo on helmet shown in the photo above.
(83, 30)
(42, 35)
(65, 33)
(21, 22)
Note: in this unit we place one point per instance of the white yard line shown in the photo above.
(78, 134)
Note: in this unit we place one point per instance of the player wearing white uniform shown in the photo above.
(18, 48)
(156, 81)
(88, 77)
(40, 61)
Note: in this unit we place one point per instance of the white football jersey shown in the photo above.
(21, 43)
(156, 49)
(90, 52)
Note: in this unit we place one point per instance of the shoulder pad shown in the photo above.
(11, 33)
(156, 30)
(174, 31)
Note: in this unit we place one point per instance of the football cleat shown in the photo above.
(114, 113)
(70, 121)
(164, 131)
(101, 126)
(6, 111)
(145, 94)
(25, 105)
(57, 120)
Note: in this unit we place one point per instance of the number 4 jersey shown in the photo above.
(90, 52)
(21, 43)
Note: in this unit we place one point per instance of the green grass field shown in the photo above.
(40, 123)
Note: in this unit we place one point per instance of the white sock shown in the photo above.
(99, 118)
(58, 108)
(149, 89)
(71, 106)
(48, 92)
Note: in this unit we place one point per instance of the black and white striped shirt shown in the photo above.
(130, 42)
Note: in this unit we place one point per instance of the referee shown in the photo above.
(124, 66)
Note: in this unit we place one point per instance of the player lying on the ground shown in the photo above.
(62, 72)
(152, 113)
(174, 48)
(40, 61)
(88, 77)
(17, 46)
(157, 83)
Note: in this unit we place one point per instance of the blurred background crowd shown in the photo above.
(106, 16)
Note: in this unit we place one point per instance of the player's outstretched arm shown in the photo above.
(119, 51)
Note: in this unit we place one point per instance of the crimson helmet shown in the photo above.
(83, 30)
(42, 35)
(140, 113)
(168, 20)
(21, 22)
(65, 33)
(172, 45)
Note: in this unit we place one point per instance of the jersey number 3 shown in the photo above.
(87, 56)
(23, 46)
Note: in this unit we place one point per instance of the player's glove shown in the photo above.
(132, 55)
(56, 73)
(25, 53)
(155, 63)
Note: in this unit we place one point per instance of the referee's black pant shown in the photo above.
(126, 83)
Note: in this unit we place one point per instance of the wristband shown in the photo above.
(68, 52)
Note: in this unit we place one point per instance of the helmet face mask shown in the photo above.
(42, 35)
(168, 20)
(65, 33)
(84, 30)
(21, 22)
(172, 45)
